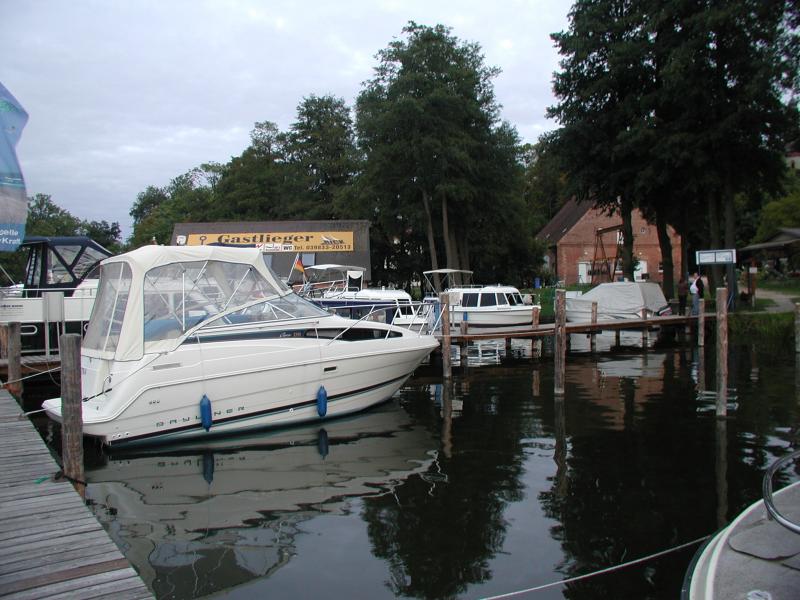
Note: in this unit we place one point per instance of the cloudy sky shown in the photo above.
(126, 94)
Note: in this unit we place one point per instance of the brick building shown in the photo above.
(583, 245)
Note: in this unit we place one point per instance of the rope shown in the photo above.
(600, 572)
(36, 374)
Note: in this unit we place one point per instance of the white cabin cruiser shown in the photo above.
(340, 289)
(189, 342)
(489, 308)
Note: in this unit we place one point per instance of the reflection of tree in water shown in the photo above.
(640, 478)
(440, 530)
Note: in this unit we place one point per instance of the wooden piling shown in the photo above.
(797, 327)
(617, 338)
(536, 344)
(71, 406)
(701, 323)
(560, 342)
(14, 345)
(645, 331)
(722, 352)
(4, 340)
(593, 336)
(446, 363)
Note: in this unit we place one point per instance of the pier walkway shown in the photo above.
(51, 545)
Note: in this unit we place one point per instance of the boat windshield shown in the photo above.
(178, 296)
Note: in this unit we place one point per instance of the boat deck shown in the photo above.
(754, 555)
(51, 545)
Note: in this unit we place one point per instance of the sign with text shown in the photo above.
(287, 241)
(716, 257)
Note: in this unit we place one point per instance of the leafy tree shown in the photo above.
(321, 144)
(783, 212)
(188, 197)
(601, 88)
(46, 218)
(108, 235)
(676, 107)
(434, 153)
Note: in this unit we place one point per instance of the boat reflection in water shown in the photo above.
(197, 519)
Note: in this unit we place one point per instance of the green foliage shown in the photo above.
(783, 212)
(777, 328)
(46, 218)
(677, 107)
(436, 159)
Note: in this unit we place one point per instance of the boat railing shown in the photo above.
(378, 308)
(766, 491)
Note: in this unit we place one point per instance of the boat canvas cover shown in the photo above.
(620, 300)
(128, 280)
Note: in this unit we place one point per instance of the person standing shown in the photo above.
(696, 290)
(683, 292)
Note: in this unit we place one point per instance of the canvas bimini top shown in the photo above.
(149, 299)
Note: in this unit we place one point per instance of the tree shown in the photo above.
(108, 235)
(46, 218)
(321, 144)
(604, 78)
(676, 107)
(427, 125)
(782, 212)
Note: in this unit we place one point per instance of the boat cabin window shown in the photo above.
(515, 299)
(109, 308)
(469, 299)
(488, 300)
(178, 296)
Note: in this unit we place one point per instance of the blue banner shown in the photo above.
(13, 199)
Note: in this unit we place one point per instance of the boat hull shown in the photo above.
(250, 386)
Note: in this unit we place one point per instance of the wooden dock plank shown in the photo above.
(51, 545)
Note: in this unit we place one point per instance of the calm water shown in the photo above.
(477, 489)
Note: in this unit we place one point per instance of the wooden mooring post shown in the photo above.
(701, 323)
(797, 327)
(560, 342)
(593, 336)
(12, 338)
(722, 352)
(645, 331)
(446, 362)
(536, 343)
(71, 407)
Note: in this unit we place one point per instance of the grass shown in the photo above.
(789, 287)
(775, 327)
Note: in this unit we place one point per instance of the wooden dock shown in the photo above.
(548, 329)
(51, 545)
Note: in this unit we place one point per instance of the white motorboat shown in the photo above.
(340, 289)
(755, 556)
(488, 308)
(618, 300)
(191, 342)
(58, 292)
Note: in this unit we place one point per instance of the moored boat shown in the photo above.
(617, 301)
(188, 342)
(486, 308)
(340, 289)
(757, 555)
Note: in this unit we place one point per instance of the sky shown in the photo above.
(122, 95)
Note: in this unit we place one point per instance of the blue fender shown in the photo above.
(322, 401)
(205, 413)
